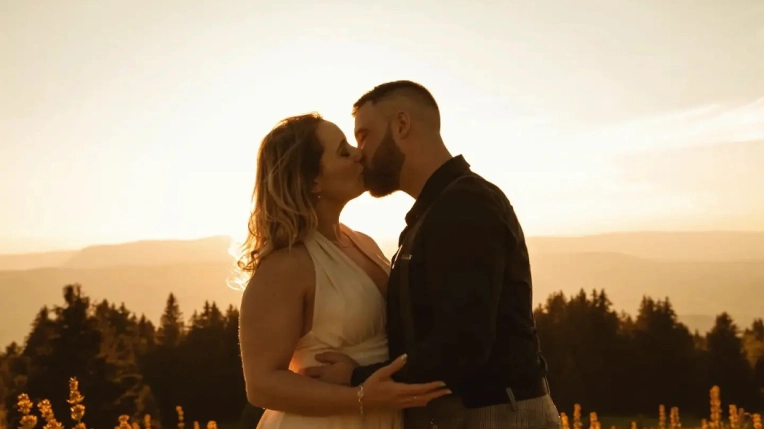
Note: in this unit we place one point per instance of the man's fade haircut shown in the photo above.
(406, 88)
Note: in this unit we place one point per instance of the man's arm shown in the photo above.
(465, 252)
(361, 373)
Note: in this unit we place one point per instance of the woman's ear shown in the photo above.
(316, 188)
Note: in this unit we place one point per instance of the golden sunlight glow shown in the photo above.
(142, 140)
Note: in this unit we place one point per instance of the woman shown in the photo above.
(315, 285)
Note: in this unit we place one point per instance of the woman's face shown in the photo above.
(341, 177)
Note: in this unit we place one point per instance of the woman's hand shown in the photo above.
(380, 391)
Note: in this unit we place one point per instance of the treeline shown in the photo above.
(608, 362)
(617, 364)
(126, 365)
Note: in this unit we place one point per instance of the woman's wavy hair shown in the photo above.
(283, 211)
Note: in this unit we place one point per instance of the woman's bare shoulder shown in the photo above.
(284, 270)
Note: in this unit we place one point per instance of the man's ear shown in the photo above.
(402, 124)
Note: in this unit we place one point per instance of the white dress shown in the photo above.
(349, 316)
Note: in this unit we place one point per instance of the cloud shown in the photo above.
(723, 181)
(693, 167)
(600, 150)
(714, 150)
(692, 127)
(706, 154)
(611, 159)
(550, 145)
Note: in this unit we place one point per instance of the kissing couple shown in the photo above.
(333, 335)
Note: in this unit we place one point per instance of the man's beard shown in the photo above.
(382, 174)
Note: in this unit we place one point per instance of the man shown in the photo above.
(250, 416)
(459, 299)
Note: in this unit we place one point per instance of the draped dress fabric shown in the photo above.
(349, 316)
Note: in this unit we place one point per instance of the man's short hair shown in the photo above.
(404, 87)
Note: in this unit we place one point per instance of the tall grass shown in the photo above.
(737, 418)
(77, 409)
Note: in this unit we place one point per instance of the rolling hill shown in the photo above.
(26, 261)
(142, 274)
(141, 253)
(682, 246)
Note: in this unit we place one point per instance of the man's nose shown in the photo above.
(357, 155)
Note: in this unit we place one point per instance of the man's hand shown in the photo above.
(338, 369)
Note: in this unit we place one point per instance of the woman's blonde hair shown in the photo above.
(283, 211)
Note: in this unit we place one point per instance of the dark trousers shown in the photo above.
(449, 413)
(250, 416)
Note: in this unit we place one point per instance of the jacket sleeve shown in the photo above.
(465, 257)
(361, 373)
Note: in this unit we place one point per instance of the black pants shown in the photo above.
(250, 416)
(448, 413)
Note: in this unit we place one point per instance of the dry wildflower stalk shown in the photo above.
(577, 417)
(564, 421)
(674, 421)
(757, 421)
(147, 421)
(212, 424)
(46, 411)
(24, 405)
(196, 424)
(179, 410)
(703, 424)
(593, 422)
(633, 424)
(124, 422)
(661, 416)
(716, 408)
(734, 422)
(75, 402)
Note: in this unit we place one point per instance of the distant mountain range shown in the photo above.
(702, 273)
(137, 253)
(676, 246)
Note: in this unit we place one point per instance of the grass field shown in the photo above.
(734, 418)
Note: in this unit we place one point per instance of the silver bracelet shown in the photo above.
(360, 401)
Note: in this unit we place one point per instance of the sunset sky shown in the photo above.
(127, 120)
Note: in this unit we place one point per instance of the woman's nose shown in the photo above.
(356, 154)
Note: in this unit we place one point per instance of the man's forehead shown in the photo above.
(365, 111)
(363, 116)
(368, 114)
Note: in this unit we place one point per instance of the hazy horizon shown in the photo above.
(64, 248)
(142, 120)
(703, 274)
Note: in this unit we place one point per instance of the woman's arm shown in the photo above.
(271, 323)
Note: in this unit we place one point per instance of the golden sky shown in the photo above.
(132, 120)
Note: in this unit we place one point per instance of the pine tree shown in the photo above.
(163, 366)
(171, 325)
(728, 365)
